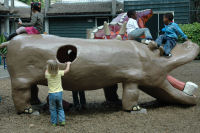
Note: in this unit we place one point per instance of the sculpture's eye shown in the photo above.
(66, 53)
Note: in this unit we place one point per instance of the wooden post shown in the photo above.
(114, 7)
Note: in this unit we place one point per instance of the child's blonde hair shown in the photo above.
(52, 67)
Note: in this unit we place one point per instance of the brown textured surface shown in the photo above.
(98, 119)
(99, 63)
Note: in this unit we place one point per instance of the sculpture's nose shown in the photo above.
(66, 53)
(181, 54)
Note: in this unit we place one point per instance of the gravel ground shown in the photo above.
(99, 119)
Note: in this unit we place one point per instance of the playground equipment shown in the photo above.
(96, 64)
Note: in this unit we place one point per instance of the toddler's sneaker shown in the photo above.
(54, 125)
(169, 55)
(62, 123)
(145, 41)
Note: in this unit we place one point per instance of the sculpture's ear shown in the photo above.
(66, 53)
(182, 54)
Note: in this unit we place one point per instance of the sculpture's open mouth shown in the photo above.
(173, 91)
(188, 87)
(66, 53)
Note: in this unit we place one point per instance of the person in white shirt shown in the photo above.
(134, 31)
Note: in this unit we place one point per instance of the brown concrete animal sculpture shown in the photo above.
(95, 64)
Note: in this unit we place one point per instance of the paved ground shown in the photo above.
(3, 72)
(160, 118)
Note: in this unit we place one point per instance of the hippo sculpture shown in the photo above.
(95, 64)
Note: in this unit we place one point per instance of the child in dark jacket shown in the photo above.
(34, 27)
(169, 38)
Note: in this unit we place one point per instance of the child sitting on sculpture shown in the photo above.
(34, 27)
(169, 38)
(53, 76)
(134, 31)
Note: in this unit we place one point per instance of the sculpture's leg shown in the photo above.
(130, 96)
(21, 96)
(110, 93)
(34, 95)
(21, 99)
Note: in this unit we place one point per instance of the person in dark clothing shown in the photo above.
(110, 93)
(79, 103)
(112, 98)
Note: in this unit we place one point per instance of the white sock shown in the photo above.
(147, 41)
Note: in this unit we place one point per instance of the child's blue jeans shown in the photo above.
(56, 107)
(169, 43)
(139, 32)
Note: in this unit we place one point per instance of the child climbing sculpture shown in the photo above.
(34, 27)
(169, 38)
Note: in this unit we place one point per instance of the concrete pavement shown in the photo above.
(3, 73)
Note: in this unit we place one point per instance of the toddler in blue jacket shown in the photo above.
(169, 38)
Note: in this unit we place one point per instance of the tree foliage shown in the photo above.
(4, 50)
(193, 32)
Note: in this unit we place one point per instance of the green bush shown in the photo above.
(193, 32)
(4, 50)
